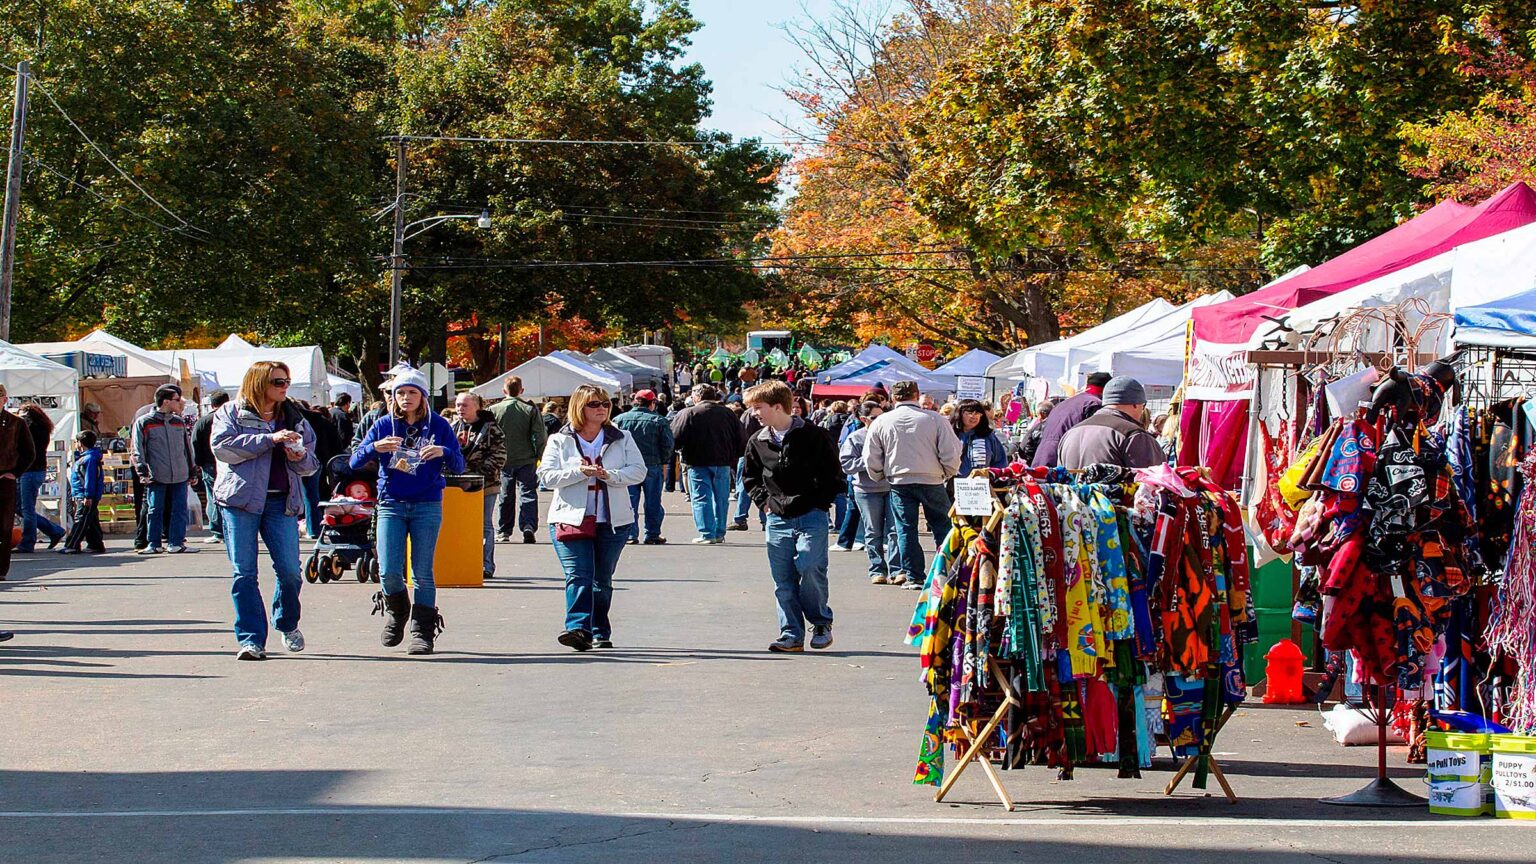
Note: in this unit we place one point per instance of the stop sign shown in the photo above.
(926, 353)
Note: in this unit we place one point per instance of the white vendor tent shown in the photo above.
(626, 380)
(659, 356)
(860, 361)
(888, 373)
(234, 342)
(549, 376)
(1160, 338)
(306, 363)
(641, 374)
(1479, 272)
(973, 363)
(1049, 361)
(141, 362)
(340, 385)
(54, 386)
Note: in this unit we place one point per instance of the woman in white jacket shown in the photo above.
(590, 464)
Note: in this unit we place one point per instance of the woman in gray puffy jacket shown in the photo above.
(264, 449)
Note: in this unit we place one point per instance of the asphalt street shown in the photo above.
(132, 734)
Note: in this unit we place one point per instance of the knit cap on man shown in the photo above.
(1124, 390)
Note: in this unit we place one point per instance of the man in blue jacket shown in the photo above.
(653, 435)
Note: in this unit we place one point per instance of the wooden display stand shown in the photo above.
(1189, 763)
(976, 751)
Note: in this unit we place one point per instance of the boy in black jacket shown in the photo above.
(793, 473)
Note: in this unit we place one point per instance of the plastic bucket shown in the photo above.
(1459, 773)
(1514, 776)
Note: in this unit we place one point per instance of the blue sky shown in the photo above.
(747, 54)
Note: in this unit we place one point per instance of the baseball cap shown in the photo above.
(645, 395)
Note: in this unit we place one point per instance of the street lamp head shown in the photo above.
(484, 221)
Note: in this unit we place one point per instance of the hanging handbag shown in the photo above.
(587, 529)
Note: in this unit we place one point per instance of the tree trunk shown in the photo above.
(482, 352)
(368, 366)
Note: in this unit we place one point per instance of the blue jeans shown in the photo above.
(848, 522)
(280, 533)
(908, 502)
(27, 487)
(709, 489)
(488, 536)
(519, 493)
(419, 521)
(743, 502)
(797, 559)
(589, 566)
(215, 513)
(651, 486)
(312, 514)
(879, 536)
(167, 498)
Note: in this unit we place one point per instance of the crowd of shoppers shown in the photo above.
(846, 476)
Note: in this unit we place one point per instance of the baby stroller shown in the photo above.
(346, 531)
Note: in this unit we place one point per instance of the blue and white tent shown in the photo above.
(1506, 323)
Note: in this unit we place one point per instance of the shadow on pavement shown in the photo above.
(228, 816)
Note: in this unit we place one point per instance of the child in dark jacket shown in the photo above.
(85, 487)
(792, 472)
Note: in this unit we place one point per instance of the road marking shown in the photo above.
(745, 818)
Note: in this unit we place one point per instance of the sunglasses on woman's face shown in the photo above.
(599, 404)
(280, 382)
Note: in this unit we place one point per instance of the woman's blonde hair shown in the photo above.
(253, 389)
(576, 410)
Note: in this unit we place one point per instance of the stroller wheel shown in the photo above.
(324, 565)
(363, 564)
(338, 567)
(373, 567)
(311, 568)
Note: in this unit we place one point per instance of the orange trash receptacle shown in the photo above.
(458, 561)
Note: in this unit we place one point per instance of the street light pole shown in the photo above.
(12, 198)
(397, 255)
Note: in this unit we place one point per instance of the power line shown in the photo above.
(104, 199)
(641, 142)
(103, 155)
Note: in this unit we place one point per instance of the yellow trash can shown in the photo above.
(459, 560)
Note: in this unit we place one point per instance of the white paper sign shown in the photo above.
(973, 496)
(970, 387)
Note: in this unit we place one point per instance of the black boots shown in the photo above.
(395, 608)
(425, 625)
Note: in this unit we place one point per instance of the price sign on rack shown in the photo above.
(973, 496)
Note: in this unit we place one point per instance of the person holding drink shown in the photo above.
(414, 449)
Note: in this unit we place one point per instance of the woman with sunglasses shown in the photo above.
(265, 449)
(590, 464)
(979, 445)
(414, 447)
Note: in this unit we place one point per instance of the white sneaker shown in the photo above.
(835, 547)
(149, 550)
(701, 541)
(858, 547)
(210, 540)
(250, 652)
(293, 641)
(182, 550)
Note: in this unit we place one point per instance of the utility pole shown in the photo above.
(12, 198)
(397, 255)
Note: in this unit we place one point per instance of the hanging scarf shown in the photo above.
(1512, 631)
(1118, 623)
